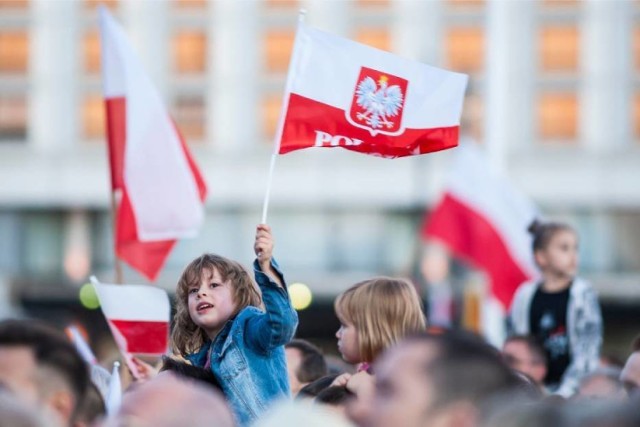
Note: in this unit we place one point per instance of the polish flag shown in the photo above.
(483, 219)
(340, 93)
(138, 316)
(162, 189)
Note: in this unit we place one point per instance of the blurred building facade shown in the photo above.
(556, 101)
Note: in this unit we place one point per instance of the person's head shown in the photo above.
(603, 383)
(39, 365)
(335, 398)
(523, 353)
(630, 375)
(187, 371)
(305, 363)
(555, 249)
(375, 314)
(211, 290)
(437, 380)
(312, 389)
(169, 401)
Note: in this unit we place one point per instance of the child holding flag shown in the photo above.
(219, 325)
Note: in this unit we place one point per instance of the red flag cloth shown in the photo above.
(344, 94)
(138, 316)
(163, 191)
(484, 220)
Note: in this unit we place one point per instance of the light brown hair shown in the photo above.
(383, 310)
(186, 336)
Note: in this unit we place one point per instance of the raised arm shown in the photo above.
(278, 324)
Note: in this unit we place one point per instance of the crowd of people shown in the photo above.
(234, 360)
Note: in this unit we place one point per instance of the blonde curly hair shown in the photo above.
(383, 310)
(186, 336)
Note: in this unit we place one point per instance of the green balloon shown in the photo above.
(88, 297)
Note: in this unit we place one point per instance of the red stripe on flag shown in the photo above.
(116, 138)
(144, 337)
(305, 116)
(146, 257)
(471, 236)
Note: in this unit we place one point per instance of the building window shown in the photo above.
(93, 117)
(377, 38)
(189, 114)
(465, 49)
(559, 48)
(373, 3)
(271, 107)
(278, 48)
(190, 51)
(560, 3)
(14, 4)
(191, 4)
(558, 116)
(13, 118)
(466, 3)
(91, 49)
(282, 4)
(93, 4)
(14, 51)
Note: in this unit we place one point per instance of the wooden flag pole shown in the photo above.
(114, 223)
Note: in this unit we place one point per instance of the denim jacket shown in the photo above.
(248, 357)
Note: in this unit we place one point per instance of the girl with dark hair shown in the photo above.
(560, 310)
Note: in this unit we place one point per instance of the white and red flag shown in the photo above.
(162, 189)
(345, 94)
(483, 219)
(138, 316)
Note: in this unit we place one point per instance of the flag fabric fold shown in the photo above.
(138, 316)
(483, 219)
(162, 189)
(341, 93)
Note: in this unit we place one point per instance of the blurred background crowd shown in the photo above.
(554, 100)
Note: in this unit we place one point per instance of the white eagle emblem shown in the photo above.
(378, 102)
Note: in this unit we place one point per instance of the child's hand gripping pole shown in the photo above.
(263, 248)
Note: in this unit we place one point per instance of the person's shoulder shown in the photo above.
(526, 288)
(581, 287)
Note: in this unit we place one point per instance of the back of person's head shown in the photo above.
(507, 412)
(187, 371)
(312, 389)
(603, 383)
(465, 368)
(59, 365)
(186, 336)
(312, 363)
(531, 343)
(334, 396)
(383, 310)
(169, 401)
(543, 232)
(525, 354)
